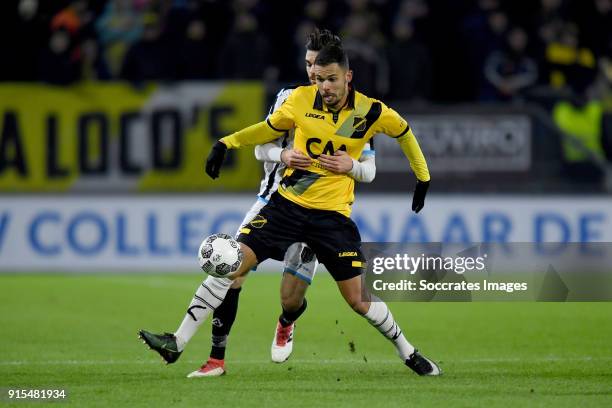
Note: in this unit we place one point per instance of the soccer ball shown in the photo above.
(219, 255)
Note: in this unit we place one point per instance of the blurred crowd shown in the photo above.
(418, 50)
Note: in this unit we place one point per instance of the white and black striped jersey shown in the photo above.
(273, 171)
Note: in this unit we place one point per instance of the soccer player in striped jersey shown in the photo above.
(300, 264)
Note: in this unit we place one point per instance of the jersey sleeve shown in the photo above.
(281, 97)
(412, 150)
(368, 150)
(271, 151)
(253, 135)
(268, 152)
(391, 123)
(282, 119)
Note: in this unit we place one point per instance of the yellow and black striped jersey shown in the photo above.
(321, 131)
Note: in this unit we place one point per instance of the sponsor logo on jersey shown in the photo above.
(315, 116)
(346, 253)
(258, 222)
(315, 142)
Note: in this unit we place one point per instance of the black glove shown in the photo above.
(418, 199)
(215, 159)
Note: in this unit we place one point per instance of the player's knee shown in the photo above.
(237, 283)
(249, 261)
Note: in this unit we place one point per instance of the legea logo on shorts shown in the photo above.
(258, 221)
(346, 253)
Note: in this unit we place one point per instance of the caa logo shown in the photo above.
(329, 147)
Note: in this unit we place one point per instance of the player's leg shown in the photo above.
(300, 268)
(222, 321)
(208, 297)
(337, 244)
(225, 315)
(378, 315)
(267, 236)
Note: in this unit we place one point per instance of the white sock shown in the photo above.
(208, 297)
(380, 317)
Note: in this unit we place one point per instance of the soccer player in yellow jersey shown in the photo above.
(300, 262)
(313, 204)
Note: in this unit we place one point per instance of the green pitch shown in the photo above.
(80, 333)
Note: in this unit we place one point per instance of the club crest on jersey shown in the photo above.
(359, 123)
(314, 116)
(258, 221)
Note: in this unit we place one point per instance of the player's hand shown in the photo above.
(215, 159)
(340, 162)
(418, 199)
(295, 159)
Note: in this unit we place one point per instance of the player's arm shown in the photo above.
(364, 169)
(271, 152)
(256, 134)
(268, 152)
(272, 128)
(410, 146)
(393, 125)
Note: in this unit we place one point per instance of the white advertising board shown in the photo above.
(162, 233)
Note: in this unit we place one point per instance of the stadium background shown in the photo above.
(108, 109)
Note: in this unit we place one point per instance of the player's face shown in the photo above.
(310, 58)
(332, 82)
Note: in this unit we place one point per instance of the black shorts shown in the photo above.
(333, 237)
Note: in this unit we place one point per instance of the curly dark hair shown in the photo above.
(320, 38)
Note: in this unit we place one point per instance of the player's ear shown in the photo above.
(349, 75)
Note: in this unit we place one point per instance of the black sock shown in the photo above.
(286, 318)
(223, 319)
